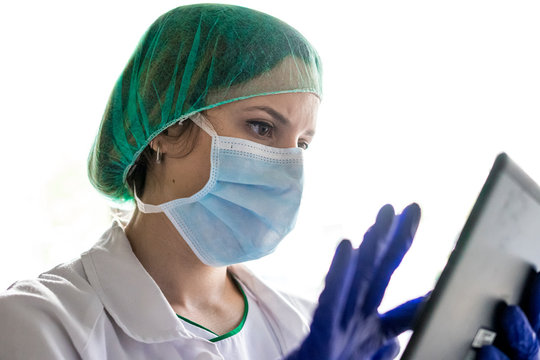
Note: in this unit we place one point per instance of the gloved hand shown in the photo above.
(346, 324)
(519, 330)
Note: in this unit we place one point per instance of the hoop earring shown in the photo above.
(158, 155)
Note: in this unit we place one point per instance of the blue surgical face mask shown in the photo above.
(248, 205)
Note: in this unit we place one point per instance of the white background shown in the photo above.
(420, 97)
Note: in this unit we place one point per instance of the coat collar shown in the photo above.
(137, 305)
(289, 317)
(127, 291)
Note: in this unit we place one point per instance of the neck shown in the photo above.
(169, 260)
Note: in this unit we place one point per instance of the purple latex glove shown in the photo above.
(346, 324)
(519, 330)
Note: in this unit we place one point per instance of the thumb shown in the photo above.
(401, 318)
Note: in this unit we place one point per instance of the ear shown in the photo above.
(154, 144)
(176, 141)
(163, 143)
(174, 130)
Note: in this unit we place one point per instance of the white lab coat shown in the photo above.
(104, 305)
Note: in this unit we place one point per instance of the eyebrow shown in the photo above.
(277, 116)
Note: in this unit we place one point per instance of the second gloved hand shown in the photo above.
(519, 330)
(346, 324)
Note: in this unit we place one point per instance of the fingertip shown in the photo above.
(402, 317)
(344, 243)
(412, 214)
(343, 251)
(387, 206)
(338, 276)
(386, 210)
(414, 205)
(385, 216)
(413, 210)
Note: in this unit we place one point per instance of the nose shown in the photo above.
(289, 142)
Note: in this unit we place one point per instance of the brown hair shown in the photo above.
(185, 138)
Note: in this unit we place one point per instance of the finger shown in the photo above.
(337, 283)
(520, 337)
(401, 318)
(400, 240)
(490, 353)
(367, 255)
(389, 351)
(532, 304)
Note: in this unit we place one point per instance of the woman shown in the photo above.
(205, 130)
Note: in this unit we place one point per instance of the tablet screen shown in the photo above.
(496, 254)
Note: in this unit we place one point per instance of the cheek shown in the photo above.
(188, 175)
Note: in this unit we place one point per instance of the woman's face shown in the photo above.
(282, 120)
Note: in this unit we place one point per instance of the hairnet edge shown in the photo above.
(186, 116)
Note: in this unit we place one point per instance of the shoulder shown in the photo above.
(48, 317)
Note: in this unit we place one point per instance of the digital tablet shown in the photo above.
(497, 253)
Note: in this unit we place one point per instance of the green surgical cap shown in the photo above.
(191, 59)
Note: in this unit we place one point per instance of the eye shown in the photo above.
(303, 145)
(261, 128)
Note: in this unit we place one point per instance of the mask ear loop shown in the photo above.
(145, 208)
(201, 121)
(204, 124)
